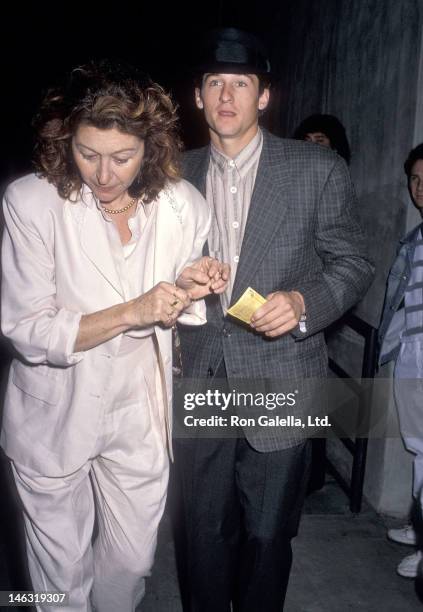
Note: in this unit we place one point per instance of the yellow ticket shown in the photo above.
(247, 304)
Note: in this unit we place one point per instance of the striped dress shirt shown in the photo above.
(414, 294)
(409, 363)
(229, 188)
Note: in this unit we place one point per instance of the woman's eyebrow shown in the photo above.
(127, 149)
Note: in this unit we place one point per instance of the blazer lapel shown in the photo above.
(196, 164)
(198, 179)
(268, 207)
(96, 246)
(167, 232)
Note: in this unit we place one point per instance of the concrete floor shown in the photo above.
(341, 562)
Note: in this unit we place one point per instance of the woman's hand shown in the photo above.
(204, 276)
(162, 304)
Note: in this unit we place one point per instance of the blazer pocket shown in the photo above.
(36, 383)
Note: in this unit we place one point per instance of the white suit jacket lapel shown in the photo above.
(167, 236)
(94, 241)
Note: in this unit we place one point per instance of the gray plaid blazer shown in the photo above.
(302, 233)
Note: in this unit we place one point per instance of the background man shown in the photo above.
(401, 336)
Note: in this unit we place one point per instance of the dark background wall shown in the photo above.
(39, 45)
(359, 61)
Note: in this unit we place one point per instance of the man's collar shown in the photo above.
(242, 161)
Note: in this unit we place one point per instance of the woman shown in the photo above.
(101, 255)
(325, 130)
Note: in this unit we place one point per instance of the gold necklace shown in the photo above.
(116, 211)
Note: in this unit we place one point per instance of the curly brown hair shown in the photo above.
(107, 94)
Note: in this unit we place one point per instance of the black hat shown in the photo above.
(229, 50)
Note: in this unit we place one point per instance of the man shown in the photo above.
(283, 218)
(401, 338)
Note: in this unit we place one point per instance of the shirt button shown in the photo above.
(236, 258)
(235, 224)
(234, 189)
(232, 163)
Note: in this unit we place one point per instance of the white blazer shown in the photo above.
(57, 266)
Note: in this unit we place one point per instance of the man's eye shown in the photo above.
(241, 84)
(214, 83)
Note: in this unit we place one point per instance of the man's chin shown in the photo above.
(226, 132)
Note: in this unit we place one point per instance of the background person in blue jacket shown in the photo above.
(401, 337)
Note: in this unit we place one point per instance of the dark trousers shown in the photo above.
(238, 511)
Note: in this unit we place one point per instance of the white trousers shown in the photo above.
(122, 486)
(408, 392)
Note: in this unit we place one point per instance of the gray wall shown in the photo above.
(361, 60)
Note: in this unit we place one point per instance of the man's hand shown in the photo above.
(280, 314)
(204, 276)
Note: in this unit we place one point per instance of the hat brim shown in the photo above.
(229, 68)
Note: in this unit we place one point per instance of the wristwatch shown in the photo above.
(302, 323)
